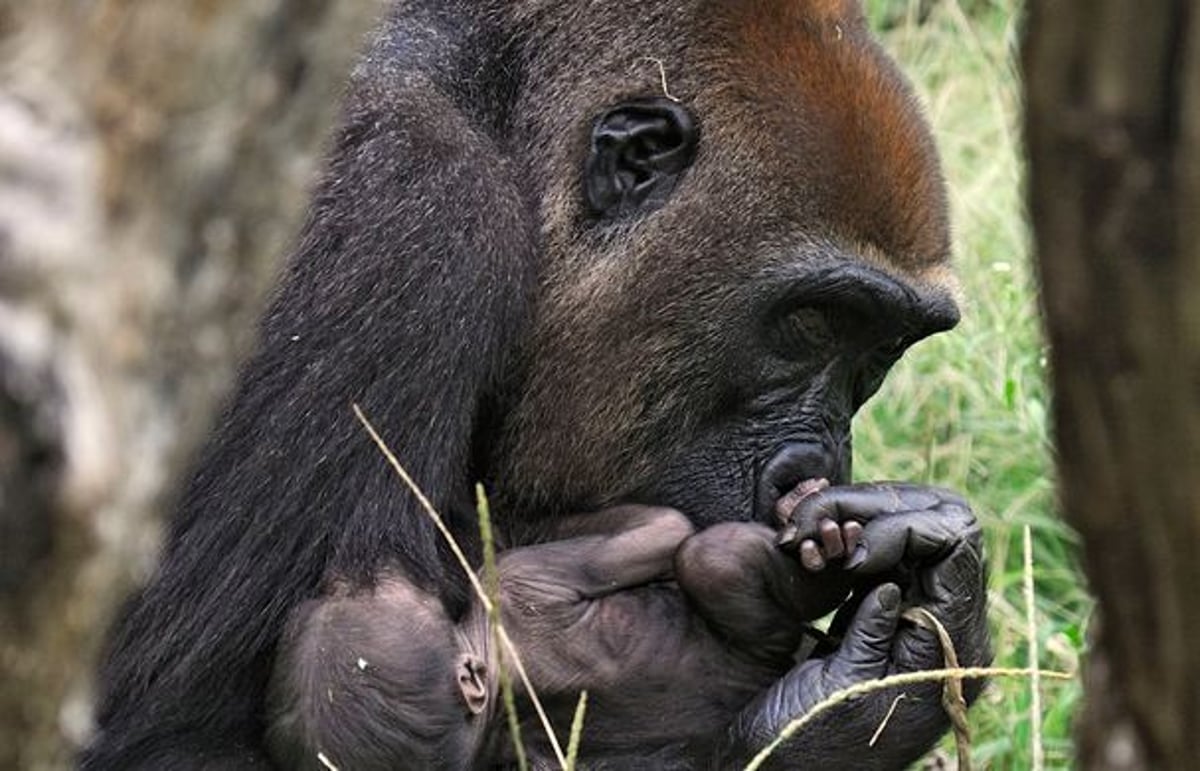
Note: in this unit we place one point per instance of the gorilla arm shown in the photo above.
(405, 293)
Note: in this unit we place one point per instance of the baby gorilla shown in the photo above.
(671, 633)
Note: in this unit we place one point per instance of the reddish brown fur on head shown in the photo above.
(849, 124)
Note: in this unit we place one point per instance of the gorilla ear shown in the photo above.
(639, 151)
(472, 677)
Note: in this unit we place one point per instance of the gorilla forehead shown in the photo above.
(799, 107)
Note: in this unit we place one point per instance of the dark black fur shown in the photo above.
(380, 301)
(433, 285)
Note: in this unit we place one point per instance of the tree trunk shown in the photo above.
(1113, 131)
(154, 157)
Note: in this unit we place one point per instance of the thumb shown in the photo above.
(865, 652)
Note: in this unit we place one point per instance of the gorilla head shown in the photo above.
(703, 340)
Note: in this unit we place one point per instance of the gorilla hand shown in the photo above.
(944, 543)
(903, 522)
(901, 528)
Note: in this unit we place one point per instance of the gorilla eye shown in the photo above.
(639, 151)
(807, 329)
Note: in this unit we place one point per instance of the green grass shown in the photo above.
(968, 409)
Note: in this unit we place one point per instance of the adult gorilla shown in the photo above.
(532, 267)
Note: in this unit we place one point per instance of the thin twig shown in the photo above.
(506, 641)
(1038, 758)
(952, 693)
(491, 577)
(576, 731)
(662, 74)
(886, 719)
(871, 686)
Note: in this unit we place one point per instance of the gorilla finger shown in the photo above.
(865, 652)
(851, 534)
(831, 539)
(810, 555)
(919, 536)
(958, 599)
(865, 502)
(788, 501)
(917, 649)
(955, 587)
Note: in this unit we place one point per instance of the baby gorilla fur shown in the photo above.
(385, 680)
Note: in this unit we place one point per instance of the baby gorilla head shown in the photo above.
(380, 679)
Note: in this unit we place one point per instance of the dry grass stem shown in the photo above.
(886, 719)
(892, 681)
(491, 577)
(1037, 751)
(662, 74)
(507, 644)
(952, 693)
(576, 731)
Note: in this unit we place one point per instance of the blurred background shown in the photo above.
(154, 161)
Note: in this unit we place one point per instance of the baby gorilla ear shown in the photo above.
(639, 151)
(472, 681)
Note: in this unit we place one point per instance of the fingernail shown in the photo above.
(889, 597)
(788, 536)
(858, 557)
(810, 556)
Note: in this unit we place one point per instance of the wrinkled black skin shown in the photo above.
(411, 293)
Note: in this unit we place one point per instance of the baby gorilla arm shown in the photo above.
(612, 550)
(666, 667)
